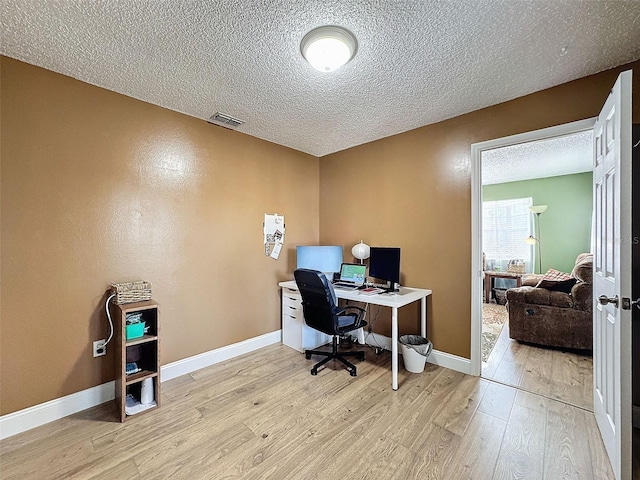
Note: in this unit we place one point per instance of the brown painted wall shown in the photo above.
(96, 188)
(413, 190)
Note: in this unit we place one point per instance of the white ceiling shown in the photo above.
(550, 157)
(418, 62)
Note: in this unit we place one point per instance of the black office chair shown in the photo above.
(321, 313)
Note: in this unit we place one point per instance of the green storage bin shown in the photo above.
(135, 330)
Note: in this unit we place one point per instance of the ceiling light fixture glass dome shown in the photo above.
(329, 47)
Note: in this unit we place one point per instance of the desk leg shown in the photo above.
(423, 317)
(394, 348)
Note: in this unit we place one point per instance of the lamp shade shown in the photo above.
(329, 47)
(361, 251)
(538, 209)
(531, 240)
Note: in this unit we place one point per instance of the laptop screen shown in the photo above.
(353, 272)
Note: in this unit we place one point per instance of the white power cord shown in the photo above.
(106, 307)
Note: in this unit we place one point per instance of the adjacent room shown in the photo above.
(537, 219)
(187, 149)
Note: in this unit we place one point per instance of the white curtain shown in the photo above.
(506, 224)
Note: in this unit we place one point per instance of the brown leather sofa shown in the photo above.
(543, 314)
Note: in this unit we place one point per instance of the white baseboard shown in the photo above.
(436, 357)
(452, 362)
(376, 340)
(206, 359)
(32, 417)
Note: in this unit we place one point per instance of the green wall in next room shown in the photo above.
(565, 228)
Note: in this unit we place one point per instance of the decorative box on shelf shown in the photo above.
(135, 330)
(131, 292)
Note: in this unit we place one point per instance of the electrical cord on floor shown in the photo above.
(375, 318)
(106, 307)
(375, 345)
(366, 312)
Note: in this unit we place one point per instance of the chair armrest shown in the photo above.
(360, 312)
(341, 310)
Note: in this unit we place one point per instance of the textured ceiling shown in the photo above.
(542, 158)
(418, 62)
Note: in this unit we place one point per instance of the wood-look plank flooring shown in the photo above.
(263, 416)
(566, 376)
(558, 374)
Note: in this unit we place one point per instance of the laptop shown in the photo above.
(352, 276)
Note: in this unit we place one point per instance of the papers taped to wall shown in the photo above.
(273, 229)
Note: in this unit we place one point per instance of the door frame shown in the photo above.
(476, 219)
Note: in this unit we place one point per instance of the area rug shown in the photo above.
(494, 317)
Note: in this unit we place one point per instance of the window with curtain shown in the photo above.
(505, 226)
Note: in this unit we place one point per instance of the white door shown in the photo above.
(612, 275)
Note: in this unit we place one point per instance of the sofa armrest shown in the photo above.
(517, 295)
(582, 294)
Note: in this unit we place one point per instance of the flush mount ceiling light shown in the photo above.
(328, 48)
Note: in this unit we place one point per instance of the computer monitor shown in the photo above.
(324, 258)
(384, 264)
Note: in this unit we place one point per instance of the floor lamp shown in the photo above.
(537, 210)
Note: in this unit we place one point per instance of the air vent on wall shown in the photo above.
(225, 120)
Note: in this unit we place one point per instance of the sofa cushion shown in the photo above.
(543, 296)
(531, 279)
(557, 281)
(540, 296)
(583, 270)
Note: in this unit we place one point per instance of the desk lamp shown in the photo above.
(361, 251)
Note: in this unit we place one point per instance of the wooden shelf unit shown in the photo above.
(145, 351)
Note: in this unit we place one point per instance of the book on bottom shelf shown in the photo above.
(133, 405)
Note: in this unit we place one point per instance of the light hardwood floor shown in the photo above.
(263, 416)
(561, 375)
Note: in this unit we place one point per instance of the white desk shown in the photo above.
(404, 297)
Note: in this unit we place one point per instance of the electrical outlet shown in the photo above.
(99, 348)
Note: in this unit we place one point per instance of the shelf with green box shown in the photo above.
(137, 358)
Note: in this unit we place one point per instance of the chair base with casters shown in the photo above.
(334, 354)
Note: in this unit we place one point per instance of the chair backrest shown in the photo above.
(318, 300)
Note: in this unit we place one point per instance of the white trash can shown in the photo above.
(415, 350)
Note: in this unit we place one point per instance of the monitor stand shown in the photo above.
(391, 287)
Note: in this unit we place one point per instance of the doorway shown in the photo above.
(511, 362)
